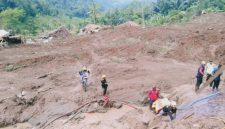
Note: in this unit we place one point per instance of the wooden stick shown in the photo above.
(68, 114)
(189, 116)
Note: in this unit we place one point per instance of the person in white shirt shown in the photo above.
(209, 71)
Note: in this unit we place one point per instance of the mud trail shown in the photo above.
(134, 59)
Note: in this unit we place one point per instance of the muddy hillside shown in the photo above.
(40, 85)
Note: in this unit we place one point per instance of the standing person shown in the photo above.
(153, 95)
(209, 71)
(84, 73)
(216, 81)
(104, 84)
(199, 76)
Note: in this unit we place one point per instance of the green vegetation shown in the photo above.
(162, 11)
(32, 17)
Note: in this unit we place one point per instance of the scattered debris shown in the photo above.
(3, 33)
(10, 39)
(3, 43)
(68, 114)
(92, 28)
(7, 39)
(25, 98)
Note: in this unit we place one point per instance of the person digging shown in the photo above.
(169, 110)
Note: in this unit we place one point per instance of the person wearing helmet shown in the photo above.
(199, 76)
(153, 95)
(104, 84)
(84, 73)
(169, 110)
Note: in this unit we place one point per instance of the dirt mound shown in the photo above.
(61, 32)
(200, 38)
(92, 28)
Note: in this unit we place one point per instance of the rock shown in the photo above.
(117, 105)
(210, 28)
(151, 51)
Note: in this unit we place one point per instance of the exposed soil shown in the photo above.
(40, 82)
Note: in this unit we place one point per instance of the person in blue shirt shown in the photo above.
(84, 73)
(216, 81)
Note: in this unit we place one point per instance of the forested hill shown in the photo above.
(31, 17)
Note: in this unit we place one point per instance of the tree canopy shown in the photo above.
(31, 17)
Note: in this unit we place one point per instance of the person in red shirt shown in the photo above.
(153, 95)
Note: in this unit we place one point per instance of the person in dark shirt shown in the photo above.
(216, 81)
(104, 84)
(170, 110)
(199, 76)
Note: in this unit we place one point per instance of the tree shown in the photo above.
(11, 18)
